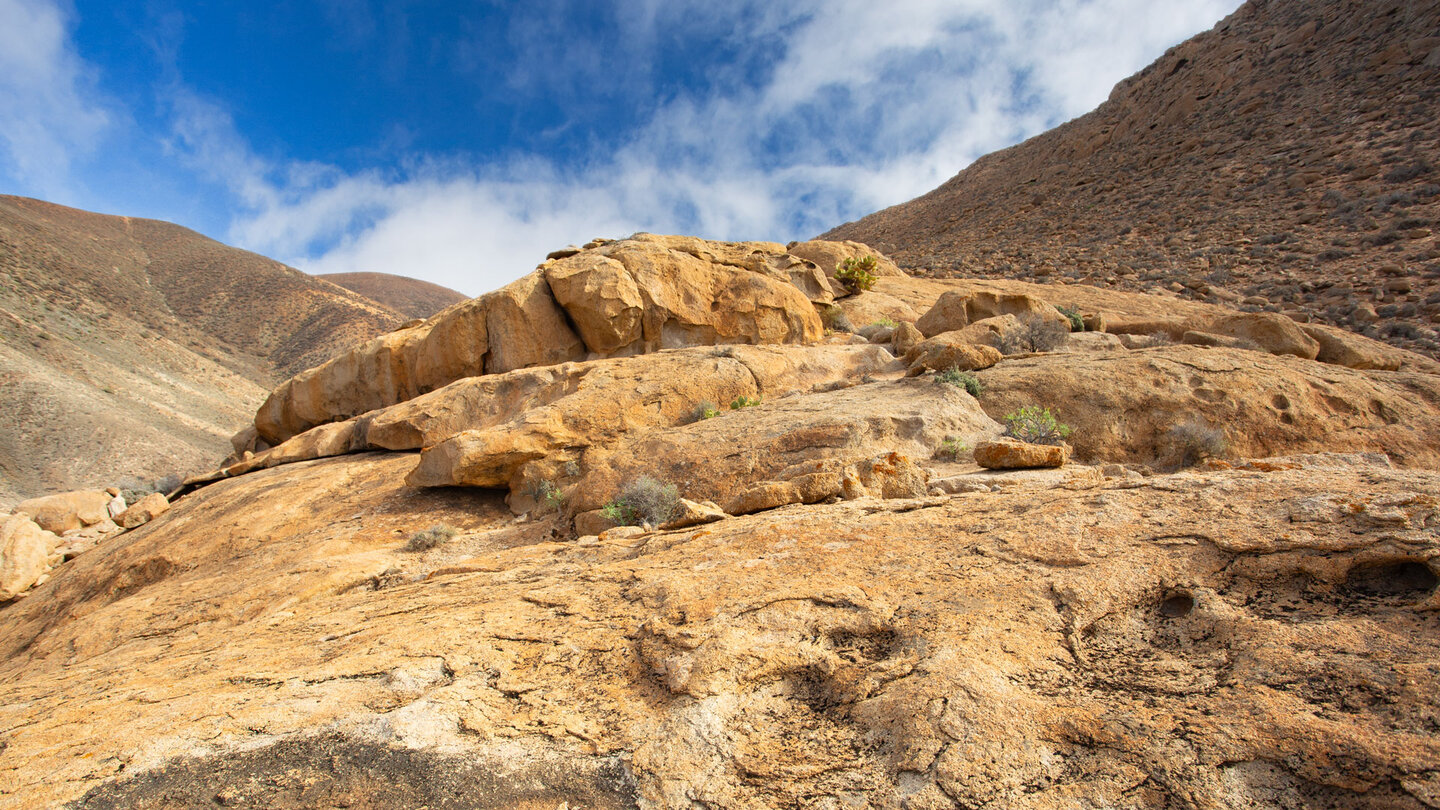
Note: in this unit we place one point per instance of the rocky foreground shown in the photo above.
(1223, 596)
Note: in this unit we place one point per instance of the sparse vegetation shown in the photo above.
(743, 401)
(885, 322)
(547, 496)
(645, 502)
(1036, 425)
(1193, 442)
(1077, 323)
(857, 273)
(951, 448)
(962, 379)
(1034, 335)
(431, 537)
(835, 319)
(706, 410)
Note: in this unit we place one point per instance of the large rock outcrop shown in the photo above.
(625, 297)
(1257, 636)
(1123, 405)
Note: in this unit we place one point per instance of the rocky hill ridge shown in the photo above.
(1284, 161)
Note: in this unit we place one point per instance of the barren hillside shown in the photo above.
(410, 297)
(135, 348)
(1287, 160)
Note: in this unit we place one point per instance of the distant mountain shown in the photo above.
(410, 297)
(1286, 160)
(131, 347)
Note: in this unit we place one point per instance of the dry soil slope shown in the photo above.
(1287, 157)
(410, 297)
(134, 347)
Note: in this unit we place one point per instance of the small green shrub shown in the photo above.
(834, 319)
(706, 410)
(1035, 425)
(744, 402)
(963, 379)
(1077, 323)
(951, 448)
(431, 537)
(885, 322)
(857, 273)
(548, 497)
(1193, 442)
(647, 501)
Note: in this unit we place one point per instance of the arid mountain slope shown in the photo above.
(135, 348)
(1286, 160)
(410, 297)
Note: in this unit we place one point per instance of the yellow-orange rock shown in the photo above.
(1122, 405)
(66, 511)
(143, 511)
(1010, 454)
(27, 553)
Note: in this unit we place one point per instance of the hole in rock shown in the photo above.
(1396, 578)
(1177, 605)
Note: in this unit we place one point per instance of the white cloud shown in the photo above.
(49, 112)
(862, 105)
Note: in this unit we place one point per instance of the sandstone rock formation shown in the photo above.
(1284, 161)
(143, 511)
(65, 511)
(626, 297)
(1255, 635)
(27, 553)
(1009, 454)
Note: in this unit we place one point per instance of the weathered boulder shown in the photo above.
(515, 326)
(27, 553)
(1010, 454)
(596, 403)
(823, 445)
(1123, 406)
(950, 350)
(903, 338)
(871, 306)
(66, 511)
(1272, 332)
(828, 256)
(143, 511)
(692, 513)
(625, 297)
(958, 309)
(1344, 348)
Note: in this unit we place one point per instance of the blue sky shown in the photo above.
(460, 142)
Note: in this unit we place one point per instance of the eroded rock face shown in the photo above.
(801, 449)
(1123, 405)
(143, 511)
(27, 553)
(617, 398)
(626, 297)
(1237, 630)
(67, 511)
(1009, 454)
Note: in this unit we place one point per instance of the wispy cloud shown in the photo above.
(49, 110)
